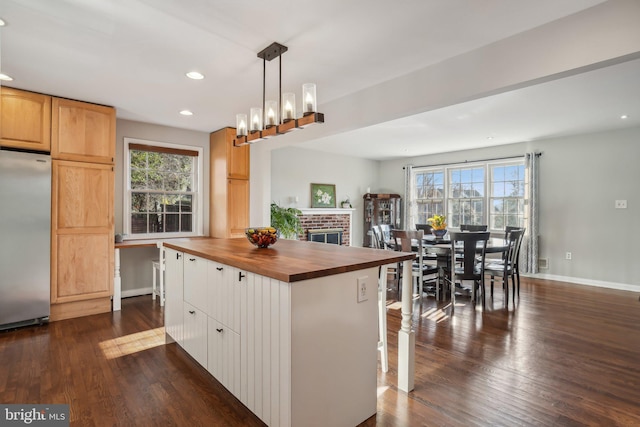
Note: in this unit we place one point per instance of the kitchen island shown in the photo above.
(287, 330)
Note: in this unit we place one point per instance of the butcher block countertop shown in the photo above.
(288, 260)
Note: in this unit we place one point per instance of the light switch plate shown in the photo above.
(621, 204)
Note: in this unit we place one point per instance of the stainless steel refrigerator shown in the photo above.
(25, 238)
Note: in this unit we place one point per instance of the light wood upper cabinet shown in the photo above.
(82, 231)
(229, 185)
(25, 119)
(82, 132)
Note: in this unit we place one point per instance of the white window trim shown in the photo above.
(198, 209)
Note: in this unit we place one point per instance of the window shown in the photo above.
(507, 196)
(482, 193)
(428, 195)
(466, 196)
(162, 194)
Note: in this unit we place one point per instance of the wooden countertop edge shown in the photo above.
(243, 263)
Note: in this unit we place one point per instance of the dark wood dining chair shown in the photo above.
(473, 227)
(471, 245)
(421, 270)
(516, 264)
(426, 228)
(505, 269)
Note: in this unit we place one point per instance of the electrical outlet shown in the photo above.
(567, 255)
(363, 293)
(621, 204)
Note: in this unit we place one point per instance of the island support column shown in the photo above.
(406, 335)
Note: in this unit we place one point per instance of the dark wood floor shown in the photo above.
(567, 355)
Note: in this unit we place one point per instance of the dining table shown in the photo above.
(441, 248)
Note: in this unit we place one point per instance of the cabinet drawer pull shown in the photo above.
(241, 276)
(219, 330)
(192, 259)
(178, 256)
(219, 268)
(192, 312)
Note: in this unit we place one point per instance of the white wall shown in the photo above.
(580, 178)
(135, 266)
(293, 170)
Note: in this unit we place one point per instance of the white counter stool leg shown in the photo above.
(382, 318)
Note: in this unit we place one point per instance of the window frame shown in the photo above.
(487, 197)
(198, 195)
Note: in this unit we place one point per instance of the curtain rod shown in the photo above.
(473, 161)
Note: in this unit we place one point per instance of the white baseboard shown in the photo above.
(588, 282)
(136, 292)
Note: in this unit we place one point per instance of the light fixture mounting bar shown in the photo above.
(273, 51)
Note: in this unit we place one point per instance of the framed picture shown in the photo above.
(323, 195)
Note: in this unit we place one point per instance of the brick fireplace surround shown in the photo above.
(325, 218)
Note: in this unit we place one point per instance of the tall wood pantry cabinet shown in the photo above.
(380, 209)
(82, 219)
(229, 185)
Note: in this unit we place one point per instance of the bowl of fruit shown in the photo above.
(262, 237)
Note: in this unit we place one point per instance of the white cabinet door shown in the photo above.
(173, 309)
(195, 333)
(195, 281)
(232, 291)
(224, 356)
(224, 293)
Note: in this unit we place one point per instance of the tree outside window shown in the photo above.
(162, 190)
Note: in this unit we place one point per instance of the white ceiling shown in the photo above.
(134, 54)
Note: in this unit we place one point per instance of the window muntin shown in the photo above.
(470, 194)
(162, 196)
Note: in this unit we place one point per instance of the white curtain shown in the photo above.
(406, 215)
(529, 249)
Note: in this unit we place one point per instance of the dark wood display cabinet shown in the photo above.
(380, 209)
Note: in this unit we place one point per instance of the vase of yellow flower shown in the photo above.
(438, 225)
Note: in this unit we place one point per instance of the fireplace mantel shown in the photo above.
(321, 211)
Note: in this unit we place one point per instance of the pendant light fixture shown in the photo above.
(273, 118)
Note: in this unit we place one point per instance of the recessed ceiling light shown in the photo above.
(186, 113)
(5, 77)
(195, 75)
(489, 137)
(2, 23)
(624, 116)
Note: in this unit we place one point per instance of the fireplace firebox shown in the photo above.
(326, 235)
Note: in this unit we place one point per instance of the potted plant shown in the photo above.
(286, 221)
(346, 203)
(438, 225)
